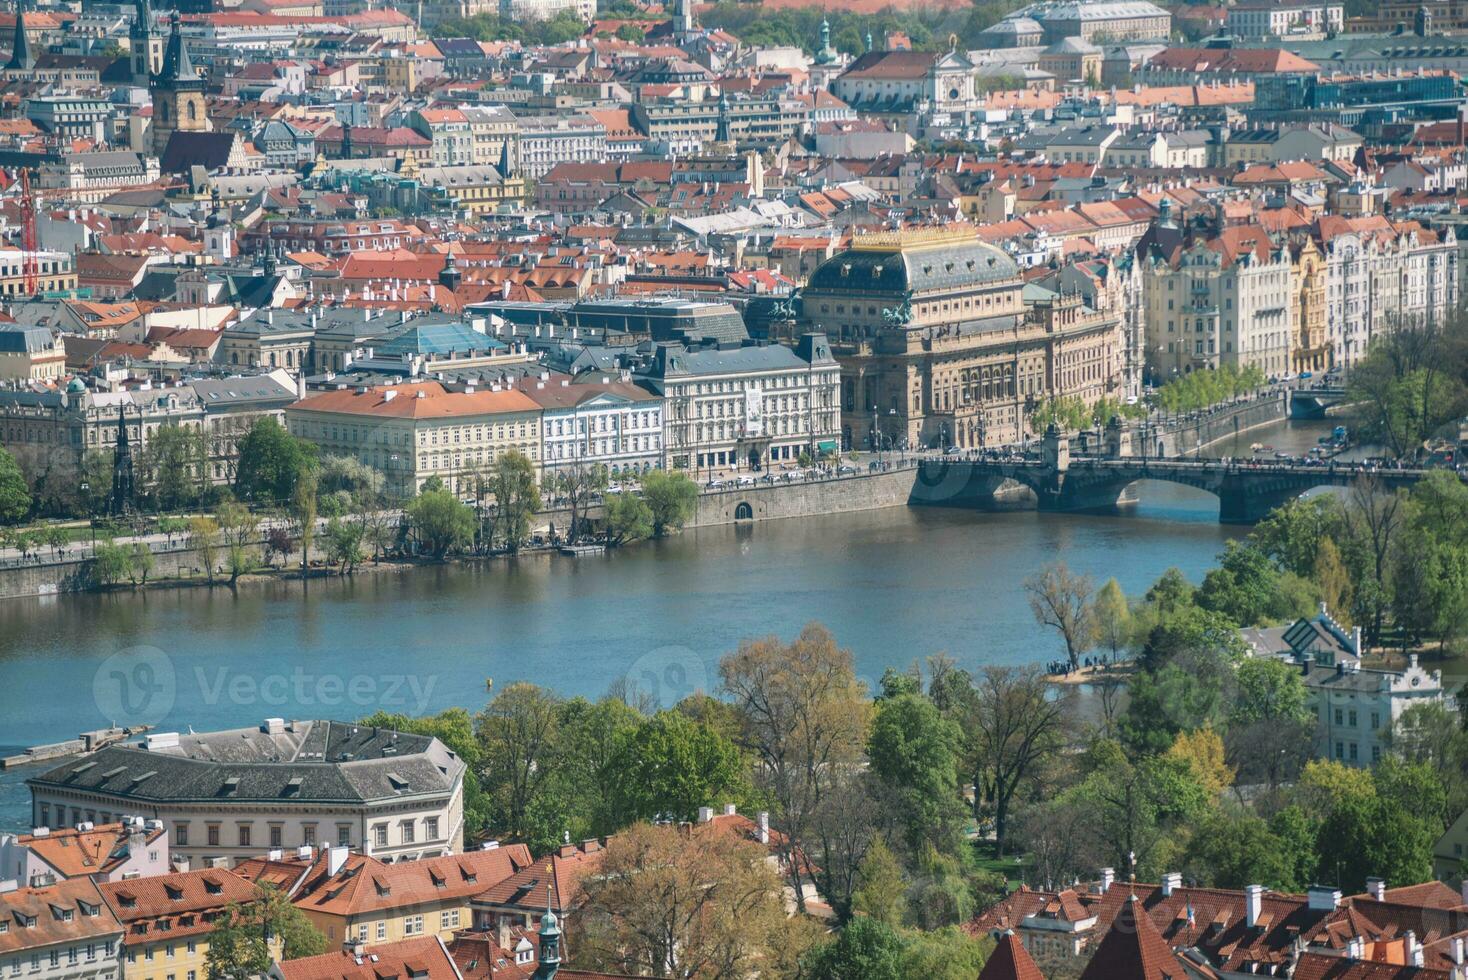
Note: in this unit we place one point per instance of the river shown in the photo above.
(893, 585)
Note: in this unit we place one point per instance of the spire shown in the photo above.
(346, 141)
(870, 45)
(449, 276)
(550, 937)
(177, 68)
(825, 55)
(143, 20)
(21, 58)
(122, 468)
(505, 159)
(1133, 948)
(722, 133)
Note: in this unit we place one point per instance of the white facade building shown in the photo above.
(617, 425)
(548, 140)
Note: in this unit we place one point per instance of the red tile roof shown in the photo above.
(423, 958)
(1010, 961)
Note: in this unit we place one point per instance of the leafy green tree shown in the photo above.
(1190, 629)
(1134, 806)
(865, 948)
(1269, 690)
(913, 751)
(247, 939)
(441, 522)
(628, 518)
(140, 563)
(1113, 618)
(175, 466)
(1013, 729)
(240, 529)
(949, 953)
(1248, 589)
(204, 539)
(1292, 533)
(629, 32)
(881, 885)
(672, 498)
(111, 563)
(516, 497)
(1171, 592)
(15, 496)
(303, 505)
(271, 460)
(346, 473)
(680, 764)
(517, 736)
(1407, 385)
(577, 484)
(1232, 848)
(344, 543)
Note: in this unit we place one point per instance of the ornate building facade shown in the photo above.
(938, 346)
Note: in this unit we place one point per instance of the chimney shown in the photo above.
(1356, 640)
(729, 810)
(1253, 904)
(1108, 877)
(762, 823)
(502, 932)
(1456, 946)
(335, 858)
(354, 947)
(1171, 882)
(705, 813)
(1412, 948)
(1324, 898)
(1376, 888)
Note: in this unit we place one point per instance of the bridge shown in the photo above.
(1247, 490)
(1316, 403)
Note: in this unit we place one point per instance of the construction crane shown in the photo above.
(29, 269)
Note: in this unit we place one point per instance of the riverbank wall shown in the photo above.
(54, 576)
(1192, 435)
(847, 495)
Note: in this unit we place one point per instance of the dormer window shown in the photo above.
(175, 894)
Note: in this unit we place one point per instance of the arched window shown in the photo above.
(193, 111)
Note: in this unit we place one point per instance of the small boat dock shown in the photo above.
(83, 744)
(582, 550)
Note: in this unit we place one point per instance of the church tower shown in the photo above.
(178, 94)
(145, 45)
(22, 60)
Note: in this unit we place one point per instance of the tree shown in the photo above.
(15, 496)
(578, 483)
(629, 32)
(1333, 581)
(842, 833)
(865, 948)
(1014, 729)
(672, 497)
(1062, 601)
(1234, 848)
(1202, 751)
(441, 522)
(140, 563)
(364, 483)
(1133, 806)
(1374, 520)
(881, 885)
(303, 513)
(175, 466)
(1292, 533)
(949, 953)
(454, 727)
(204, 538)
(805, 716)
(344, 543)
(111, 563)
(240, 530)
(628, 518)
(1270, 721)
(670, 904)
(914, 754)
(516, 733)
(278, 541)
(1406, 388)
(247, 939)
(271, 460)
(1248, 589)
(680, 764)
(1113, 619)
(516, 497)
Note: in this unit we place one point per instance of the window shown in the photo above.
(244, 835)
(448, 919)
(1375, 720)
(308, 834)
(213, 835)
(408, 831)
(1353, 751)
(430, 828)
(379, 835)
(343, 835)
(412, 925)
(382, 929)
(1338, 716)
(275, 835)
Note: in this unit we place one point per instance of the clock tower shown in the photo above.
(178, 94)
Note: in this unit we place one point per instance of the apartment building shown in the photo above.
(58, 929)
(417, 430)
(613, 424)
(367, 901)
(128, 848)
(167, 920)
(225, 796)
(548, 140)
(1219, 301)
